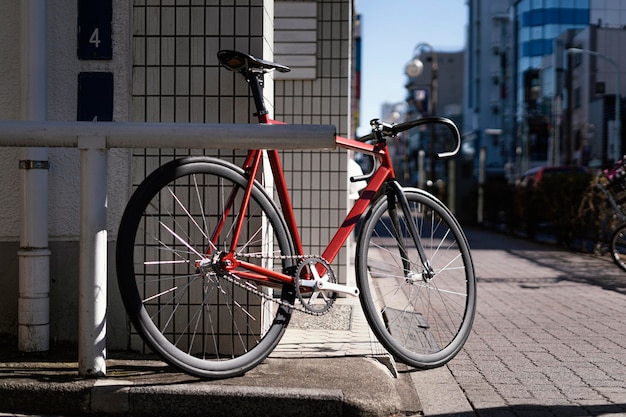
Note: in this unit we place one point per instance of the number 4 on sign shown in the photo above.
(95, 19)
(95, 37)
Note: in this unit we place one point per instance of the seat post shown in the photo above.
(255, 80)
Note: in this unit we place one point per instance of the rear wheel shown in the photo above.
(195, 316)
(422, 318)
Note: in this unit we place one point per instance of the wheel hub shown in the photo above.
(213, 265)
(413, 277)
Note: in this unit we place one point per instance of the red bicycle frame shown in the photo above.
(253, 70)
(251, 165)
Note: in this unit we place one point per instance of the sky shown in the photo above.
(390, 30)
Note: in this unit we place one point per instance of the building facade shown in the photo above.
(528, 100)
(488, 100)
(538, 23)
(585, 96)
(163, 68)
(567, 86)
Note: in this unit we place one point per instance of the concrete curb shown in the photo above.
(348, 386)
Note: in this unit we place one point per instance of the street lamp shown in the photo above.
(414, 69)
(618, 124)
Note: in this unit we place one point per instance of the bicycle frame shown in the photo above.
(384, 173)
(251, 166)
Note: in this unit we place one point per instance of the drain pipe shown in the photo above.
(34, 254)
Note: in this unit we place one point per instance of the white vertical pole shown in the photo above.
(34, 255)
(481, 184)
(618, 115)
(452, 185)
(421, 172)
(92, 285)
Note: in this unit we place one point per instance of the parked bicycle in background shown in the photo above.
(604, 201)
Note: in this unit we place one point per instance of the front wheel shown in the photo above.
(204, 321)
(421, 312)
(618, 246)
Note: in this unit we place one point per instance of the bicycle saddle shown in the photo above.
(236, 61)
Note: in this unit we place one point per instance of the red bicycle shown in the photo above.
(210, 267)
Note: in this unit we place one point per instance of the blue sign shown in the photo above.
(94, 29)
(95, 97)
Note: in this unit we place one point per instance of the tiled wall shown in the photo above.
(319, 178)
(176, 78)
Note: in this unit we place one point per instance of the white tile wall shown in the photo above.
(323, 99)
(176, 77)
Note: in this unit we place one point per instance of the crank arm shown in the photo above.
(344, 289)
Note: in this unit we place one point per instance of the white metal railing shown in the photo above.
(166, 135)
(93, 139)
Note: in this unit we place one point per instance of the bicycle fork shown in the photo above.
(395, 197)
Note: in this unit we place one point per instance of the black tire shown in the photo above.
(421, 322)
(618, 246)
(203, 324)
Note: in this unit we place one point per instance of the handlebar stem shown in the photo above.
(378, 129)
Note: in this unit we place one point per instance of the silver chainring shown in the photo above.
(310, 272)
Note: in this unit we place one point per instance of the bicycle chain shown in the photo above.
(242, 284)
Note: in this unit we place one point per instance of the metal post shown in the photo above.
(34, 255)
(481, 184)
(558, 106)
(452, 185)
(92, 285)
(618, 115)
(420, 169)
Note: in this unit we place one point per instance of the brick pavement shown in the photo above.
(549, 338)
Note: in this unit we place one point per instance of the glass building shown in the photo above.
(538, 24)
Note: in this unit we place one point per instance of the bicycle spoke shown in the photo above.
(169, 266)
(191, 218)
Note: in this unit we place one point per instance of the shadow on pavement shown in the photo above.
(581, 268)
(574, 266)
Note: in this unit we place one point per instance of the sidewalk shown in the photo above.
(548, 339)
(324, 366)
